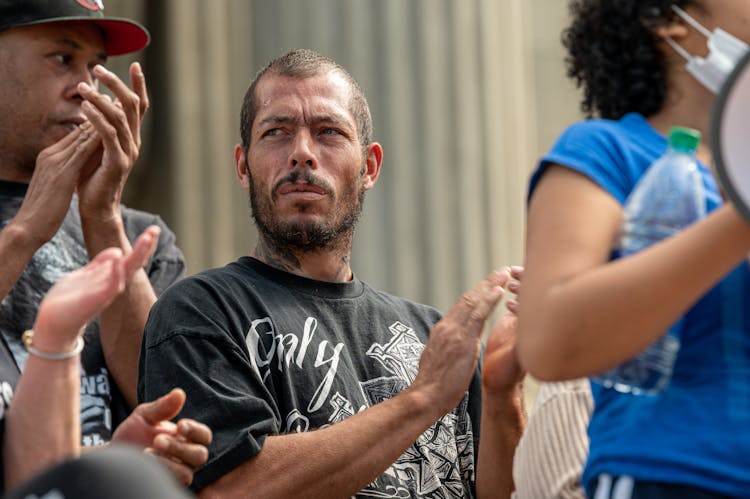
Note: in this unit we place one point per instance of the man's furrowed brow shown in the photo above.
(318, 119)
(278, 120)
(333, 119)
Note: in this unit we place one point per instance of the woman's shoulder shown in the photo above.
(630, 128)
(612, 153)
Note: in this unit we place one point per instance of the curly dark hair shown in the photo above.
(613, 54)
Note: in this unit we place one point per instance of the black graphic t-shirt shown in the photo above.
(263, 352)
(102, 404)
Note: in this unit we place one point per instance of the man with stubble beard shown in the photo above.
(288, 340)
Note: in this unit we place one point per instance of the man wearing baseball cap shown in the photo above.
(66, 150)
(120, 36)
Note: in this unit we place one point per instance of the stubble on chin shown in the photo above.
(305, 236)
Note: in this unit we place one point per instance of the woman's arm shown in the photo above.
(42, 426)
(582, 314)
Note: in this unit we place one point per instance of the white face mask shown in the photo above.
(724, 52)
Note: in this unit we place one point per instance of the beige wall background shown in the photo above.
(465, 96)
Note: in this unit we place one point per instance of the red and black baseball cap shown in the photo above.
(121, 36)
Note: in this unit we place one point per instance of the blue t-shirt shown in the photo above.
(697, 431)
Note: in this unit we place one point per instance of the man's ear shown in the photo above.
(241, 166)
(373, 162)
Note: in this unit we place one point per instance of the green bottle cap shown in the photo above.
(684, 139)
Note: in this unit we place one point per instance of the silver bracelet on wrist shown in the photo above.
(28, 341)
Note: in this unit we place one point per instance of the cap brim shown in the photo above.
(121, 36)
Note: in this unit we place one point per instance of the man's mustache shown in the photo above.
(303, 176)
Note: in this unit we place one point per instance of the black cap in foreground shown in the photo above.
(121, 36)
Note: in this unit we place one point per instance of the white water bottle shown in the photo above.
(669, 197)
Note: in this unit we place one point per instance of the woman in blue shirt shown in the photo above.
(586, 311)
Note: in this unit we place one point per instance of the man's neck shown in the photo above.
(12, 172)
(331, 265)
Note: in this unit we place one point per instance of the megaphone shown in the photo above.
(730, 136)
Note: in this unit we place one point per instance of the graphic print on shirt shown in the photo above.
(342, 408)
(440, 464)
(6, 396)
(18, 310)
(285, 348)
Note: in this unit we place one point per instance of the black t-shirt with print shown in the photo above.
(263, 352)
(102, 404)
